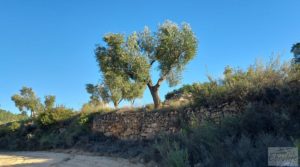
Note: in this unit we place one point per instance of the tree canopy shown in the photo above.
(6, 116)
(99, 94)
(126, 62)
(124, 69)
(28, 101)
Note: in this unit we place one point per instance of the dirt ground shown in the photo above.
(51, 159)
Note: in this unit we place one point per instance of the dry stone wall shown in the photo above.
(134, 125)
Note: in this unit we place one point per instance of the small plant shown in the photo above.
(14, 126)
(172, 154)
(84, 119)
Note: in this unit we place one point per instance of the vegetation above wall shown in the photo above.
(267, 115)
(6, 116)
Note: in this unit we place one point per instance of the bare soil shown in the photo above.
(52, 159)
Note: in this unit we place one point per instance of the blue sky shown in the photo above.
(49, 45)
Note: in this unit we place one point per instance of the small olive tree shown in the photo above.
(49, 102)
(99, 94)
(126, 63)
(28, 101)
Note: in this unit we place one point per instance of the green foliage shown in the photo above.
(125, 63)
(245, 86)
(238, 141)
(99, 94)
(88, 108)
(183, 91)
(84, 118)
(54, 115)
(174, 156)
(14, 126)
(6, 117)
(123, 69)
(49, 102)
(27, 100)
(268, 115)
(176, 46)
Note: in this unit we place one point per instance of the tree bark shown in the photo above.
(116, 104)
(155, 96)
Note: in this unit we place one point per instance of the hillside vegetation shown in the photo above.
(268, 115)
(265, 96)
(6, 117)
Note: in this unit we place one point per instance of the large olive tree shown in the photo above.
(123, 67)
(126, 63)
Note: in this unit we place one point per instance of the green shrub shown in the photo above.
(90, 107)
(54, 115)
(14, 126)
(268, 116)
(242, 86)
(6, 117)
(183, 91)
(172, 154)
(240, 140)
(84, 119)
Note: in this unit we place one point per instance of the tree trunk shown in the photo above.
(155, 96)
(116, 104)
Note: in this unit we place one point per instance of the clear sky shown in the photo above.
(49, 44)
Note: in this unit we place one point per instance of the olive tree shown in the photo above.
(49, 102)
(27, 101)
(123, 67)
(99, 94)
(126, 63)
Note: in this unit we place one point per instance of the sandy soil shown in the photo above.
(51, 159)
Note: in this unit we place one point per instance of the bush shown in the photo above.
(14, 126)
(244, 86)
(234, 142)
(185, 90)
(6, 117)
(89, 107)
(268, 115)
(54, 115)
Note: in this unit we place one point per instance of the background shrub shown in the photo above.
(54, 115)
(268, 115)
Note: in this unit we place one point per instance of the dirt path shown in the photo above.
(51, 159)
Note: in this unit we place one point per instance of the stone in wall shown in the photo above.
(134, 125)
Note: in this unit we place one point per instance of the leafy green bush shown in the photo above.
(173, 154)
(246, 86)
(268, 115)
(238, 141)
(6, 117)
(184, 90)
(54, 115)
(14, 126)
(90, 107)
